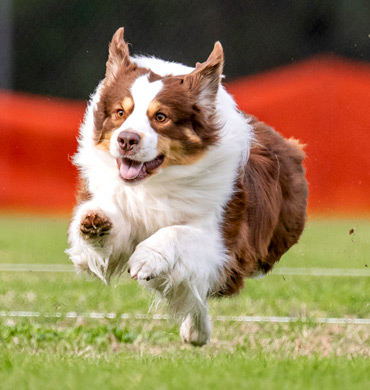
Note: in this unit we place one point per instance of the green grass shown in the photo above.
(69, 353)
(28, 240)
(330, 244)
(275, 295)
(239, 371)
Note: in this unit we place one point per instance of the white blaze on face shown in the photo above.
(143, 92)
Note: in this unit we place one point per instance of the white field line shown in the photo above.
(321, 271)
(36, 268)
(356, 272)
(94, 315)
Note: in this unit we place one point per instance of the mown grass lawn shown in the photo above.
(79, 353)
(182, 370)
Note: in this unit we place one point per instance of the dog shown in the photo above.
(181, 188)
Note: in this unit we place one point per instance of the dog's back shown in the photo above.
(267, 213)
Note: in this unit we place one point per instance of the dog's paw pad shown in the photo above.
(95, 224)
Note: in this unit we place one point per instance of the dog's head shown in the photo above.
(149, 121)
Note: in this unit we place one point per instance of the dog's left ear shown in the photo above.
(206, 77)
(118, 54)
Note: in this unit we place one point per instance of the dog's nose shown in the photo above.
(128, 140)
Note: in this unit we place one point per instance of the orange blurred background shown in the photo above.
(324, 102)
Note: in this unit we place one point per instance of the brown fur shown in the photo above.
(189, 124)
(83, 193)
(175, 152)
(267, 212)
(189, 129)
(194, 126)
(153, 108)
(128, 105)
(115, 95)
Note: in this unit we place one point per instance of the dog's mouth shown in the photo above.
(133, 171)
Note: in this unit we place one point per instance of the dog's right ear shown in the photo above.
(118, 54)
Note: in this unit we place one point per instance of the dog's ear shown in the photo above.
(206, 76)
(118, 54)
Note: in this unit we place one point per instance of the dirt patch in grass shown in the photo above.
(293, 340)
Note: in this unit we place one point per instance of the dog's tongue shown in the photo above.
(130, 169)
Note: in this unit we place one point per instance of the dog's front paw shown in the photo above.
(146, 264)
(95, 224)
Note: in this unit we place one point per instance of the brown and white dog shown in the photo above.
(180, 187)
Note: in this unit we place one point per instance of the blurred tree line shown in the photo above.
(60, 46)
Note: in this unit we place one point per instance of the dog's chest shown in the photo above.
(143, 213)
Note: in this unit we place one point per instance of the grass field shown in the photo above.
(132, 353)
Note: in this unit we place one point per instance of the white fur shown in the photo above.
(143, 92)
(168, 228)
(160, 67)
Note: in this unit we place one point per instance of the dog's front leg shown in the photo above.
(183, 263)
(91, 239)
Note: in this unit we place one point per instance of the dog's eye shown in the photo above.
(159, 117)
(120, 113)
